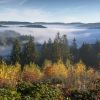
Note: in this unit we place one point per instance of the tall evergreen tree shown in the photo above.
(87, 54)
(74, 52)
(16, 51)
(61, 48)
(57, 48)
(29, 53)
(97, 50)
(97, 47)
(65, 49)
(49, 50)
(44, 52)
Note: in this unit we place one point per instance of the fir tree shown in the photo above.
(57, 48)
(16, 51)
(61, 48)
(65, 49)
(87, 54)
(74, 52)
(29, 53)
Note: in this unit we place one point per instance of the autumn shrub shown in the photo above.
(31, 73)
(82, 95)
(95, 89)
(9, 75)
(80, 77)
(56, 72)
(89, 94)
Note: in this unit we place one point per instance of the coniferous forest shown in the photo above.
(53, 70)
(49, 49)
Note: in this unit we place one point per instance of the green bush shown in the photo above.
(39, 91)
(7, 94)
(25, 89)
(83, 95)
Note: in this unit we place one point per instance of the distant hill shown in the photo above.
(14, 23)
(7, 37)
(34, 26)
(35, 23)
(58, 23)
(75, 23)
(91, 25)
(50, 23)
(3, 26)
(9, 33)
(40, 24)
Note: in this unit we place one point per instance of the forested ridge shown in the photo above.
(54, 50)
(54, 70)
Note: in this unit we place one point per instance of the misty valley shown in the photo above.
(49, 49)
(43, 31)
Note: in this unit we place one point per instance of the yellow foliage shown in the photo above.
(31, 73)
(90, 72)
(56, 70)
(80, 68)
(79, 77)
(9, 75)
(76, 76)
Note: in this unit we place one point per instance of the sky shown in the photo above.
(87, 11)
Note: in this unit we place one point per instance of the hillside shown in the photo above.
(91, 25)
(14, 23)
(34, 26)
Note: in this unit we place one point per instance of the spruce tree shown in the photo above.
(49, 50)
(97, 51)
(57, 48)
(65, 49)
(29, 53)
(87, 54)
(44, 52)
(74, 52)
(61, 48)
(16, 51)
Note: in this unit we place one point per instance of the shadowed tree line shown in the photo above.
(55, 50)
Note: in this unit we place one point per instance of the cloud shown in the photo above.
(19, 2)
(24, 15)
(4, 1)
(41, 15)
(22, 2)
(32, 15)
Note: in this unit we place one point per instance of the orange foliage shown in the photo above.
(31, 73)
(56, 70)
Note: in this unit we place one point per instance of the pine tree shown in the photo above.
(49, 50)
(61, 48)
(87, 54)
(97, 47)
(57, 48)
(65, 49)
(74, 51)
(29, 53)
(16, 51)
(97, 50)
(44, 52)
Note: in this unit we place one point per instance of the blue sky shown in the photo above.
(50, 10)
